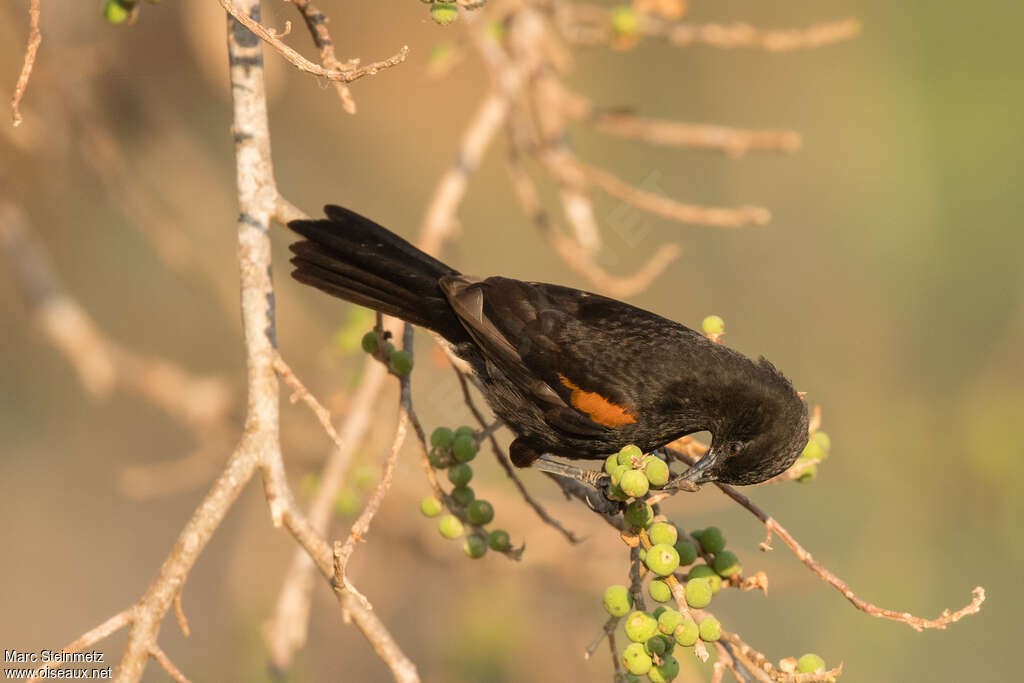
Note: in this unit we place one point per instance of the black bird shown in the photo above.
(572, 373)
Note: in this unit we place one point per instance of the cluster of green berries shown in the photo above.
(654, 635)
(399, 362)
(671, 550)
(633, 474)
(817, 448)
(452, 451)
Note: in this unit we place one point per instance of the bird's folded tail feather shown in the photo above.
(353, 258)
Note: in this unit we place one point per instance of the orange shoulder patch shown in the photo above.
(596, 406)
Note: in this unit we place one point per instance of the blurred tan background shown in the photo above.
(888, 286)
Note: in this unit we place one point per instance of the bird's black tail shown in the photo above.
(353, 258)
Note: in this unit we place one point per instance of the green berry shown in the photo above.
(664, 672)
(347, 502)
(687, 633)
(659, 590)
(480, 512)
(629, 454)
(663, 532)
(616, 493)
(370, 342)
(115, 12)
(812, 451)
(400, 362)
(437, 459)
(712, 324)
(670, 644)
(442, 437)
(610, 463)
(662, 559)
(658, 611)
(726, 564)
(669, 620)
(464, 447)
(364, 477)
(431, 506)
(617, 600)
(443, 13)
(687, 552)
(703, 571)
(655, 646)
(474, 546)
(698, 593)
(499, 540)
(657, 471)
(808, 474)
(639, 514)
(465, 430)
(625, 21)
(710, 630)
(450, 526)
(823, 440)
(636, 660)
(810, 663)
(463, 495)
(460, 474)
(712, 540)
(634, 483)
(640, 626)
(618, 472)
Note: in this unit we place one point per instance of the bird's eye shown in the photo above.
(735, 447)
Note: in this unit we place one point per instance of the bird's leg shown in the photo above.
(592, 478)
(681, 484)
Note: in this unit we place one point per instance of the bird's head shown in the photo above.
(761, 430)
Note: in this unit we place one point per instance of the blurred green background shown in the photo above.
(888, 286)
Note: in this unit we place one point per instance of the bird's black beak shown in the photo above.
(699, 472)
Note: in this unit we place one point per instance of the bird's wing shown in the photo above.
(579, 356)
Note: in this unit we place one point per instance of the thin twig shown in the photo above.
(35, 37)
(734, 141)
(916, 623)
(179, 614)
(300, 62)
(301, 393)
(161, 657)
(317, 24)
(656, 203)
(93, 636)
(578, 259)
(362, 524)
(606, 630)
(286, 630)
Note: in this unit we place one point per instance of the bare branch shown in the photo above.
(35, 37)
(916, 623)
(93, 636)
(744, 35)
(734, 141)
(161, 657)
(300, 62)
(317, 24)
(576, 171)
(577, 258)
